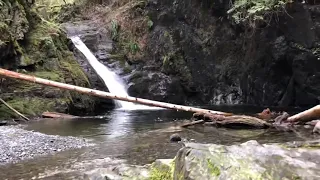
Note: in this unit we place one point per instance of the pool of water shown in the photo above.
(139, 137)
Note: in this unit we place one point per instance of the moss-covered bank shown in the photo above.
(32, 45)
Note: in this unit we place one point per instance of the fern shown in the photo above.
(248, 12)
(114, 30)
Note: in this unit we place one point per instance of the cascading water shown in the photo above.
(114, 83)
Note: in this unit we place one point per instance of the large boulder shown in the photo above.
(249, 160)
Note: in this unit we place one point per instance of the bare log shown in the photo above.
(58, 115)
(15, 111)
(307, 115)
(103, 94)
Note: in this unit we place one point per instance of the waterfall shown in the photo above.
(114, 83)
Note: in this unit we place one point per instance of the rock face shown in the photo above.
(31, 45)
(249, 160)
(194, 53)
(98, 42)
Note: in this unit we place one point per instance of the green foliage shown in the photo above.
(133, 47)
(214, 170)
(149, 23)
(162, 172)
(28, 106)
(248, 12)
(114, 30)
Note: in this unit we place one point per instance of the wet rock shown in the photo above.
(156, 86)
(101, 46)
(115, 170)
(307, 126)
(175, 138)
(249, 160)
(316, 128)
(3, 123)
(101, 174)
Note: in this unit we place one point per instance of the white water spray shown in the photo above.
(114, 83)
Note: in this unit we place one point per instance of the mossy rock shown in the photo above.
(249, 160)
(38, 47)
(29, 106)
(174, 63)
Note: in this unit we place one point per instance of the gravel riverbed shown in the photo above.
(18, 144)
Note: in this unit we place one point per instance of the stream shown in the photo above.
(139, 137)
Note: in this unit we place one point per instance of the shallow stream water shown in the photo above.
(139, 137)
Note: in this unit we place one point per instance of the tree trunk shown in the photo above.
(307, 115)
(15, 111)
(107, 95)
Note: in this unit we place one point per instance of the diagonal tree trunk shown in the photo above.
(107, 95)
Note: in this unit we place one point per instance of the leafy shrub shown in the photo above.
(248, 12)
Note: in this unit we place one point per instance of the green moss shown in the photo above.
(71, 68)
(173, 63)
(127, 69)
(54, 76)
(45, 51)
(28, 106)
(214, 170)
(162, 172)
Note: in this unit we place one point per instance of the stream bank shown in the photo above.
(18, 144)
(131, 139)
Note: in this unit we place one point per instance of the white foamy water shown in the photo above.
(114, 83)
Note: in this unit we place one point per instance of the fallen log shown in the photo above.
(233, 121)
(15, 111)
(238, 121)
(103, 94)
(192, 123)
(307, 115)
(58, 115)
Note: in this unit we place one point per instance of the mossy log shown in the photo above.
(233, 121)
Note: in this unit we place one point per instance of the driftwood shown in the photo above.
(192, 123)
(307, 115)
(15, 111)
(233, 121)
(58, 115)
(107, 95)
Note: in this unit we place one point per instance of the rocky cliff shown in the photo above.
(198, 52)
(32, 45)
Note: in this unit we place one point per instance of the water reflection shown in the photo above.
(120, 123)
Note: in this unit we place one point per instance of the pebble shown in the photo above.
(175, 138)
(316, 128)
(19, 144)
